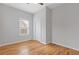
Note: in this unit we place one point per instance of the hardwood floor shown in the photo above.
(33, 47)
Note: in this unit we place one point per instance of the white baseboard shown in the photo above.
(40, 41)
(43, 42)
(66, 46)
(16, 42)
(12, 43)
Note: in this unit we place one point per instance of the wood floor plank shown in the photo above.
(33, 47)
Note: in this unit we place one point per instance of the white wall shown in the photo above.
(42, 25)
(9, 24)
(65, 25)
(48, 25)
(39, 25)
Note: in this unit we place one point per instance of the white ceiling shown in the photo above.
(32, 7)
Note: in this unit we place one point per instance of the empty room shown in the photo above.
(39, 28)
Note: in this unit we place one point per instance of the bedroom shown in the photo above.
(39, 27)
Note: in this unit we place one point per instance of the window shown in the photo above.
(23, 27)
